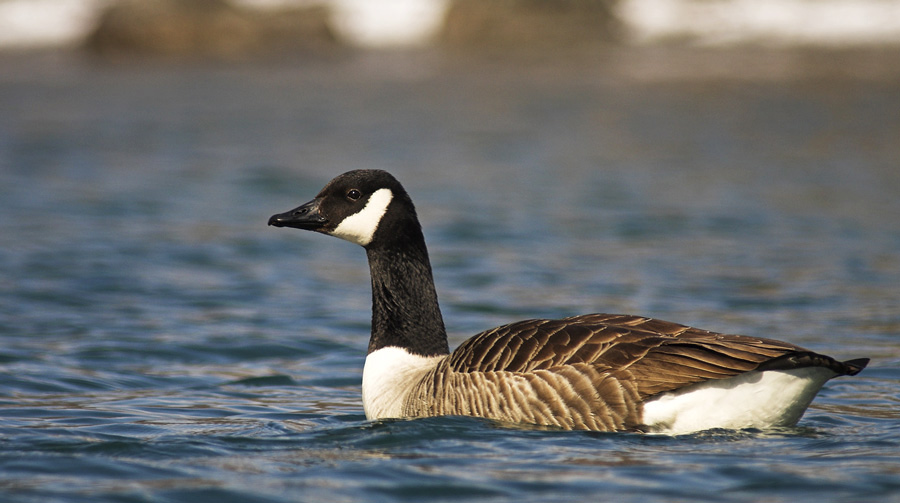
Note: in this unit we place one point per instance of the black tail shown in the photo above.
(810, 359)
(855, 366)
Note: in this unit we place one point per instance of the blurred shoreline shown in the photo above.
(610, 64)
(613, 40)
(719, 23)
(728, 24)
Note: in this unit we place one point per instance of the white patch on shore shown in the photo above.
(360, 227)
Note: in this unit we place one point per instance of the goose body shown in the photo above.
(596, 372)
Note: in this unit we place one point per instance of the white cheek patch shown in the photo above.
(360, 227)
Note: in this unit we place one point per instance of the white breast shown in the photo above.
(388, 376)
(751, 400)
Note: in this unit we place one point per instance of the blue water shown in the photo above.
(161, 344)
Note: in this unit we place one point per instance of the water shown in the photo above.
(161, 344)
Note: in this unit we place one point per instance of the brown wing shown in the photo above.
(656, 355)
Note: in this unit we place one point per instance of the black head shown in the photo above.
(361, 206)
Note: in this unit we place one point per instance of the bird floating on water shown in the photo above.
(602, 372)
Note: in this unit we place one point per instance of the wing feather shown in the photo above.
(660, 355)
(592, 371)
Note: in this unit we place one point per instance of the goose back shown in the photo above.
(591, 371)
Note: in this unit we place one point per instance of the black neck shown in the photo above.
(405, 310)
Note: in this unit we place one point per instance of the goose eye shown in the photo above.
(354, 194)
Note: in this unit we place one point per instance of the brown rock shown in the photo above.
(530, 23)
(207, 28)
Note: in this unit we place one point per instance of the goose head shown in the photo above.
(366, 207)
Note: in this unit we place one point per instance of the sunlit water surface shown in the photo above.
(161, 344)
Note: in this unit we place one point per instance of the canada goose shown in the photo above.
(596, 372)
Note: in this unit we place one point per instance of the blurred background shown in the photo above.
(729, 164)
(229, 27)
